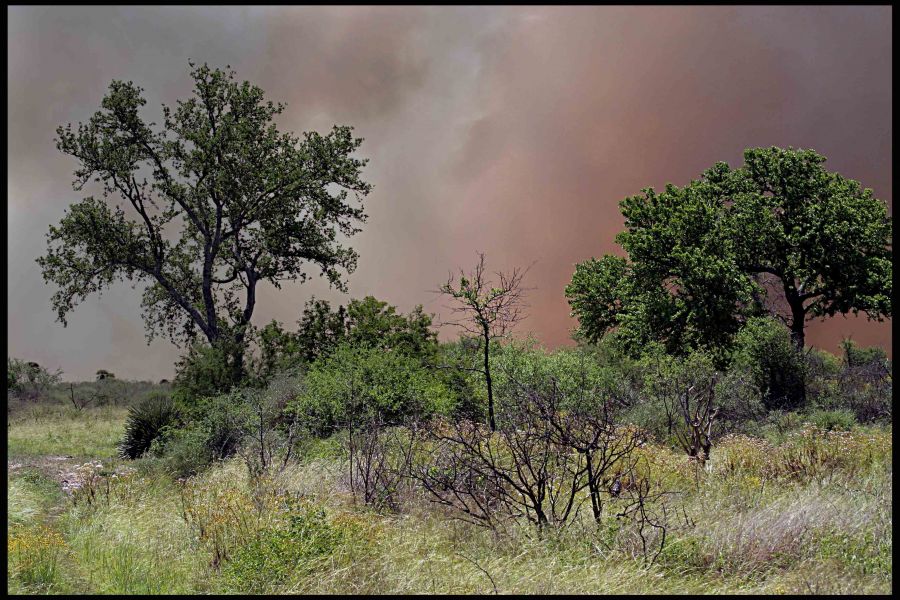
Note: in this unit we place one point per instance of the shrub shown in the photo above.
(763, 347)
(211, 429)
(280, 553)
(30, 380)
(841, 420)
(857, 356)
(550, 448)
(145, 423)
(203, 372)
(865, 383)
(15, 374)
(577, 375)
(358, 383)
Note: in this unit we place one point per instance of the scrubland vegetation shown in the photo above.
(690, 443)
(370, 493)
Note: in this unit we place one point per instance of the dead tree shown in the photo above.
(698, 409)
(486, 311)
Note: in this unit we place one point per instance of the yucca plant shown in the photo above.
(145, 422)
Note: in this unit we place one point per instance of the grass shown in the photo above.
(65, 431)
(811, 514)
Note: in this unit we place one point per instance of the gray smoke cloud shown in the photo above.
(510, 130)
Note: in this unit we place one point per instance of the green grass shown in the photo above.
(31, 497)
(64, 431)
(764, 519)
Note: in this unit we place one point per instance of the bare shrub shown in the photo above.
(379, 459)
(550, 455)
(867, 390)
(268, 431)
(698, 411)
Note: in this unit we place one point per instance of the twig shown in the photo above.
(483, 570)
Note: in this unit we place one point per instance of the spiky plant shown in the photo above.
(145, 422)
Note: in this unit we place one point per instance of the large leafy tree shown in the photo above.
(680, 284)
(702, 259)
(209, 205)
(821, 242)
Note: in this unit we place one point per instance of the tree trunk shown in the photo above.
(798, 331)
(487, 378)
(797, 391)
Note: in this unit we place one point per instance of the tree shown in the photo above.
(487, 312)
(104, 374)
(376, 324)
(216, 201)
(679, 286)
(700, 257)
(30, 379)
(824, 239)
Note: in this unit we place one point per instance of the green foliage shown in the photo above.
(292, 551)
(763, 347)
(146, 422)
(206, 370)
(375, 324)
(358, 383)
(576, 374)
(279, 350)
(219, 199)
(367, 323)
(829, 420)
(210, 429)
(320, 330)
(698, 255)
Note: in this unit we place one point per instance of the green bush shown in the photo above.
(204, 371)
(359, 383)
(858, 356)
(664, 379)
(576, 374)
(146, 422)
(278, 554)
(829, 420)
(764, 348)
(210, 429)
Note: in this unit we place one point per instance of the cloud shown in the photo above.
(510, 130)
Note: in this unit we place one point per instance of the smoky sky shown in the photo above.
(514, 131)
